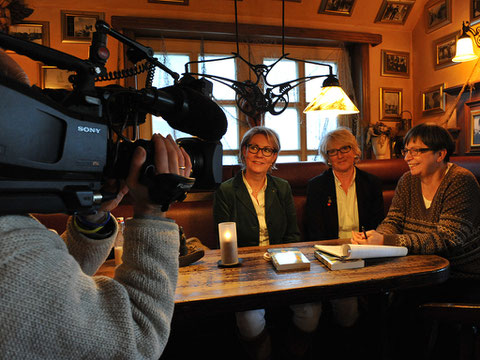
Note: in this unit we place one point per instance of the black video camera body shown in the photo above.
(58, 147)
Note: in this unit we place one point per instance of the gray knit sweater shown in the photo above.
(449, 228)
(52, 308)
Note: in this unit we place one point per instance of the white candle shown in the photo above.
(228, 243)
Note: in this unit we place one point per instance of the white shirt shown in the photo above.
(259, 205)
(347, 208)
(427, 202)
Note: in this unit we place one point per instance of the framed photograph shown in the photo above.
(472, 127)
(336, 7)
(34, 31)
(474, 11)
(438, 13)
(171, 2)
(395, 63)
(78, 26)
(433, 100)
(475, 132)
(52, 77)
(444, 50)
(390, 103)
(394, 12)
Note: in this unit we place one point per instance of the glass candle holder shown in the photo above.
(228, 243)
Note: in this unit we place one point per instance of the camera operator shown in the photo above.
(51, 307)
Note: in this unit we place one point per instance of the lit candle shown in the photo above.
(228, 243)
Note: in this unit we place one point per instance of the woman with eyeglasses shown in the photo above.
(340, 200)
(435, 209)
(262, 207)
(245, 198)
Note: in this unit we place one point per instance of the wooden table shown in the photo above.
(203, 287)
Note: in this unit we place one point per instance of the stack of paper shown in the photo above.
(336, 263)
(352, 251)
(350, 256)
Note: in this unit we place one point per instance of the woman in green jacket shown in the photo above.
(261, 204)
(262, 207)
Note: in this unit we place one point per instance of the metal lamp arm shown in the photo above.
(288, 85)
(467, 29)
(330, 67)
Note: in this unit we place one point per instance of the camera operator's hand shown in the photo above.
(168, 158)
(101, 215)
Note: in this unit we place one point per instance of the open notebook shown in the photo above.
(352, 251)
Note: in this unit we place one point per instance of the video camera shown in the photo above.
(58, 147)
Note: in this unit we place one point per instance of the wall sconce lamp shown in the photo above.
(465, 44)
(255, 98)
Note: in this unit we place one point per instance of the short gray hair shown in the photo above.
(342, 135)
(270, 134)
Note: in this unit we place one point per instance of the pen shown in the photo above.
(364, 232)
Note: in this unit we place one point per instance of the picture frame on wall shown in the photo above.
(395, 63)
(52, 77)
(438, 13)
(394, 12)
(335, 7)
(171, 2)
(472, 127)
(433, 100)
(474, 12)
(78, 26)
(391, 103)
(35, 31)
(475, 130)
(444, 50)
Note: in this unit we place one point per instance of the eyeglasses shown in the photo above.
(266, 151)
(414, 152)
(343, 150)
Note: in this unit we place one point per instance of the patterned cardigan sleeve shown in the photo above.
(458, 221)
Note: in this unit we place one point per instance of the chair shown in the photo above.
(466, 317)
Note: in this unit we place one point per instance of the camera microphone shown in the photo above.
(187, 110)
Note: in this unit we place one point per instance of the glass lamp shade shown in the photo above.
(464, 50)
(332, 99)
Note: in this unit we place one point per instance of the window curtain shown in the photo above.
(342, 57)
(346, 82)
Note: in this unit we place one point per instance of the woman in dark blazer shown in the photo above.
(233, 203)
(321, 207)
(341, 151)
(341, 200)
(263, 209)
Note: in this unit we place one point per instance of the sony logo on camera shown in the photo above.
(88, 129)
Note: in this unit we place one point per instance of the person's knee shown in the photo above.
(345, 311)
(251, 323)
(306, 316)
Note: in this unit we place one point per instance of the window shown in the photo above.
(299, 133)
